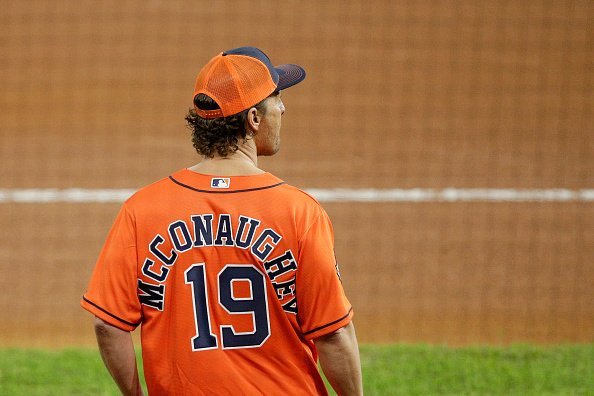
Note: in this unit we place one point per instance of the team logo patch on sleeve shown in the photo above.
(220, 182)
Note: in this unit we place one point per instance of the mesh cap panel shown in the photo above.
(256, 78)
(235, 83)
(221, 86)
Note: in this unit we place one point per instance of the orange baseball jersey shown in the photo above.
(231, 279)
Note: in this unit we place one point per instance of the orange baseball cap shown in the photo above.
(241, 78)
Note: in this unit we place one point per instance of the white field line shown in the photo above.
(80, 195)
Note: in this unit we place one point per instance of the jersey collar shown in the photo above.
(221, 184)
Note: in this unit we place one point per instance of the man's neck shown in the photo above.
(243, 162)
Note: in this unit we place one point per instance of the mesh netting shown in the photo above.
(399, 95)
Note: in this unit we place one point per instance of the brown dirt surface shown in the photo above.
(398, 95)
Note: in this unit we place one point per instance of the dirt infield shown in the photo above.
(398, 95)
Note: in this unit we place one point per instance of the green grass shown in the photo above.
(387, 370)
(515, 370)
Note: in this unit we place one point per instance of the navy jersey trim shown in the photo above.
(223, 192)
(329, 324)
(109, 313)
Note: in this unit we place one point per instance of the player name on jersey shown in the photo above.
(199, 232)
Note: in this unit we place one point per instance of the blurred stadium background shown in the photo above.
(399, 95)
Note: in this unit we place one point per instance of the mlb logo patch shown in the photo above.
(220, 182)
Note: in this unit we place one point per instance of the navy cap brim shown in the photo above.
(289, 75)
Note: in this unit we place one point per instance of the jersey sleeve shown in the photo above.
(322, 304)
(112, 291)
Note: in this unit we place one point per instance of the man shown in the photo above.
(230, 271)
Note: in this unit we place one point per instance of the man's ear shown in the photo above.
(253, 119)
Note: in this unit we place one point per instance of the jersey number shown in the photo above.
(256, 305)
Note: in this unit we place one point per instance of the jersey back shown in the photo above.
(231, 278)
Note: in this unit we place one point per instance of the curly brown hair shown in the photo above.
(220, 135)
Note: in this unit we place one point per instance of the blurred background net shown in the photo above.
(413, 94)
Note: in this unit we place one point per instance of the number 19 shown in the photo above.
(256, 305)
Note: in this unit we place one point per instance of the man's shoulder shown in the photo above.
(302, 203)
(149, 193)
(301, 195)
